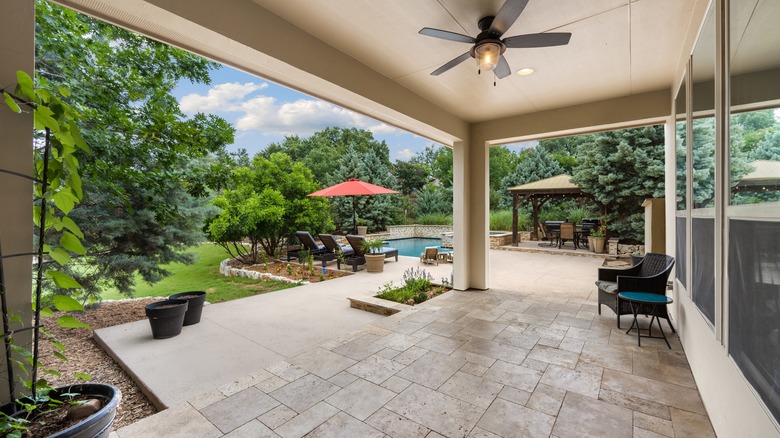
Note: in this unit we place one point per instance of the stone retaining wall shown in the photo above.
(230, 271)
(621, 250)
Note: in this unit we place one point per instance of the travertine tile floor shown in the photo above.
(466, 364)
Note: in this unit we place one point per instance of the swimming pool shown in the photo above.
(413, 246)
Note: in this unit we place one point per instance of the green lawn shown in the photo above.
(201, 275)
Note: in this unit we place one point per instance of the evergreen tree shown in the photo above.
(140, 206)
(374, 211)
(621, 169)
(535, 164)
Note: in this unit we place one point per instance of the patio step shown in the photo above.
(377, 305)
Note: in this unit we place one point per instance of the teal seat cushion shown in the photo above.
(609, 287)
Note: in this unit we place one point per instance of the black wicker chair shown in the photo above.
(650, 275)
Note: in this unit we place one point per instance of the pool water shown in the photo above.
(413, 246)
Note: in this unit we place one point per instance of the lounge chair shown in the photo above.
(649, 275)
(430, 255)
(309, 244)
(333, 250)
(358, 257)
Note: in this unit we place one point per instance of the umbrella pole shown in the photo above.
(354, 213)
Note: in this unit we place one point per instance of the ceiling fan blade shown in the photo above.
(451, 64)
(538, 40)
(447, 35)
(507, 16)
(502, 69)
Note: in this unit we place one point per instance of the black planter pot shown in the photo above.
(195, 306)
(97, 425)
(636, 259)
(166, 317)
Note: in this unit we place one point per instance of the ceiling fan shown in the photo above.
(488, 47)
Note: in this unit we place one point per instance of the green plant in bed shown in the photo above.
(417, 287)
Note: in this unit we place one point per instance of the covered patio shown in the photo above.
(629, 63)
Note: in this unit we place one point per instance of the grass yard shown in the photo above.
(204, 275)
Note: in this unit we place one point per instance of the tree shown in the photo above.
(622, 168)
(322, 151)
(139, 208)
(268, 204)
(411, 176)
(434, 199)
(375, 211)
(502, 162)
(535, 165)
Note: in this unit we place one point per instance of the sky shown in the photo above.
(263, 113)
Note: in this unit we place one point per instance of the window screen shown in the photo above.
(680, 250)
(703, 266)
(754, 306)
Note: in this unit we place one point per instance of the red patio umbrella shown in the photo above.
(353, 187)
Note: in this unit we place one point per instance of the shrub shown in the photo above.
(416, 283)
(501, 220)
(435, 219)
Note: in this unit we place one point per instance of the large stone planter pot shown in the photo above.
(362, 230)
(598, 244)
(195, 300)
(97, 425)
(375, 262)
(166, 317)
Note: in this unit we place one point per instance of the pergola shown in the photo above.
(539, 192)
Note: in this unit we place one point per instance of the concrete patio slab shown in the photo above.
(240, 337)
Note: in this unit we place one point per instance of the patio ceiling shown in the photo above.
(367, 55)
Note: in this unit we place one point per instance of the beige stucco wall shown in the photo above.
(16, 53)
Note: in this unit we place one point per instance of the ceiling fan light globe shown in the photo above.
(487, 55)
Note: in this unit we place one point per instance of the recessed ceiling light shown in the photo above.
(525, 71)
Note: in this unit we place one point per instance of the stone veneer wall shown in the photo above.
(621, 250)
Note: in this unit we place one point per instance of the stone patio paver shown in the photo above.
(496, 363)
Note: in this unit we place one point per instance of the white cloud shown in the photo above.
(383, 128)
(220, 98)
(404, 154)
(265, 114)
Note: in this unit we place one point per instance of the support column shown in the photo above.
(514, 219)
(471, 208)
(17, 51)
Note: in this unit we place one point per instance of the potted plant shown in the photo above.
(166, 317)
(195, 300)
(375, 261)
(362, 227)
(57, 181)
(597, 239)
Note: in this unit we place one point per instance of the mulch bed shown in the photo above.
(86, 356)
(293, 271)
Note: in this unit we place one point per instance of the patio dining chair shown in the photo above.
(551, 236)
(567, 234)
